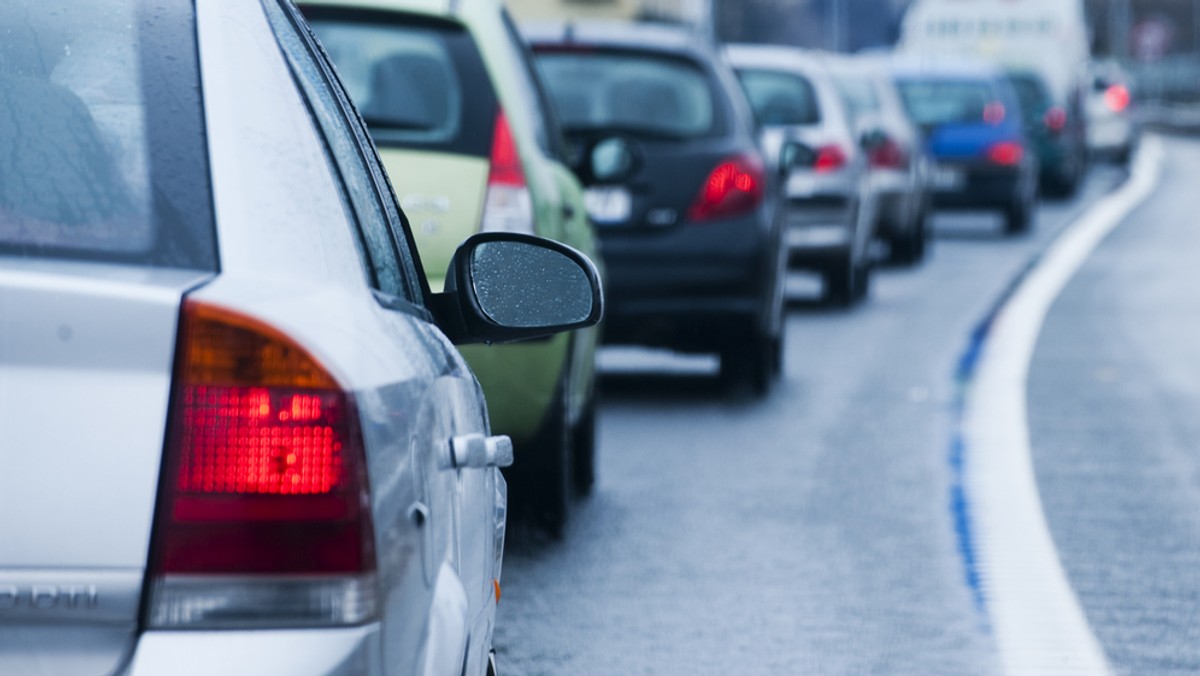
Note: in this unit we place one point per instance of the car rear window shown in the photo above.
(780, 98)
(1031, 92)
(102, 150)
(858, 92)
(419, 83)
(945, 101)
(646, 94)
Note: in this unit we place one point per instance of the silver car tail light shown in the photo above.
(264, 514)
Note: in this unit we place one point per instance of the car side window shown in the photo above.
(395, 271)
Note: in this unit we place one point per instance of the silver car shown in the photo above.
(813, 138)
(235, 436)
(900, 165)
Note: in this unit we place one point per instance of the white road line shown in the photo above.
(1039, 625)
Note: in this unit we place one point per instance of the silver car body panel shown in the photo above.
(86, 357)
(86, 354)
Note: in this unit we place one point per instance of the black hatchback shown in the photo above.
(684, 205)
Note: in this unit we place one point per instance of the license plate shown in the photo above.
(948, 178)
(609, 205)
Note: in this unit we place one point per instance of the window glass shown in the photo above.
(87, 168)
(1031, 92)
(858, 92)
(639, 93)
(421, 84)
(364, 188)
(780, 98)
(932, 102)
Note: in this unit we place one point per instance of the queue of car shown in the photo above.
(292, 389)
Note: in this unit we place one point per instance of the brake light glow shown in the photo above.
(508, 206)
(994, 113)
(1006, 153)
(888, 155)
(1055, 119)
(829, 158)
(264, 518)
(734, 188)
(1117, 98)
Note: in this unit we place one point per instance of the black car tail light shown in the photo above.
(735, 187)
(264, 517)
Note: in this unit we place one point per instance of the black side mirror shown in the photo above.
(793, 155)
(502, 287)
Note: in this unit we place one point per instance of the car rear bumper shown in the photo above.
(352, 651)
(981, 187)
(682, 286)
(818, 229)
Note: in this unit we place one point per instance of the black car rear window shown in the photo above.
(102, 148)
(640, 93)
(419, 83)
(780, 98)
(947, 101)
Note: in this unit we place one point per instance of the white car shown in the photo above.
(1112, 128)
(235, 435)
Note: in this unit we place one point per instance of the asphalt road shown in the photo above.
(813, 532)
(1114, 396)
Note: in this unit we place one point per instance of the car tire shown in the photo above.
(548, 488)
(583, 445)
(1018, 218)
(841, 282)
(749, 363)
(909, 248)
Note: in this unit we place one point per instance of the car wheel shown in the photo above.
(583, 445)
(749, 363)
(841, 282)
(549, 488)
(1018, 218)
(909, 248)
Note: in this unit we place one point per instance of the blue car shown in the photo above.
(971, 119)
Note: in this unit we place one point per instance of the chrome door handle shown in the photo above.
(475, 451)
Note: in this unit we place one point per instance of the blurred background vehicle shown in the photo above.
(973, 129)
(274, 459)
(1112, 124)
(1045, 48)
(685, 208)
(1056, 132)
(457, 111)
(815, 139)
(896, 154)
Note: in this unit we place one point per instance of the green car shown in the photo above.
(457, 112)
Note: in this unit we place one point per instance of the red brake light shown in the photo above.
(265, 484)
(1055, 119)
(735, 187)
(508, 206)
(829, 158)
(1117, 98)
(888, 155)
(994, 113)
(1006, 153)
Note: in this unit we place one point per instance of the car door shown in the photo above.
(459, 510)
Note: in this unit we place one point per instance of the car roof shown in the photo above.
(670, 38)
(776, 57)
(940, 67)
